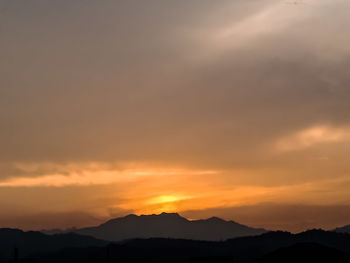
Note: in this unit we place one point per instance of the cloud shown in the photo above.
(181, 83)
(85, 174)
(312, 136)
(271, 19)
(175, 90)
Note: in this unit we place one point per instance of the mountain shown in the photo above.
(271, 241)
(344, 229)
(58, 231)
(168, 225)
(31, 242)
(309, 246)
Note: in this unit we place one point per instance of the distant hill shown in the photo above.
(344, 229)
(272, 241)
(57, 231)
(315, 245)
(306, 252)
(169, 225)
(31, 242)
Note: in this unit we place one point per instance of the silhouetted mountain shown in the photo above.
(269, 246)
(344, 229)
(58, 231)
(168, 226)
(306, 252)
(35, 242)
(255, 247)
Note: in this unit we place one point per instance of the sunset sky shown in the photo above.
(231, 108)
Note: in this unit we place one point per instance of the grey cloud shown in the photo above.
(116, 80)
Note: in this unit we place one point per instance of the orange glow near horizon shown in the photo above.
(157, 190)
(87, 176)
(148, 191)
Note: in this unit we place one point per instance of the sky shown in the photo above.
(230, 108)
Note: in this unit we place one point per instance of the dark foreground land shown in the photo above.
(310, 246)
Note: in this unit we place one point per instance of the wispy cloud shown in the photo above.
(88, 174)
(312, 136)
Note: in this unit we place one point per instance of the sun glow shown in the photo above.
(165, 203)
(166, 199)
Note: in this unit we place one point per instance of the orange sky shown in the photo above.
(238, 109)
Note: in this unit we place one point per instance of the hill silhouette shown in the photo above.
(169, 225)
(32, 242)
(306, 252)
(314, 244)
(344, 229)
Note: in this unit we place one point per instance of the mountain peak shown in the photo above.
(216, 219)
(165, 216)
(133, 217)
(170, 214)
(161, 215)
(130, 216)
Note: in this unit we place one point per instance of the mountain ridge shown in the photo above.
(29, 242)
(168, 225)
(277, 246)
(343, 229)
